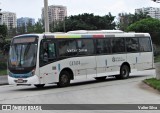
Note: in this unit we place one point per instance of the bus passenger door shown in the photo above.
(145, 55)
(133, 56)
(91, 70)
(87, 59)
(47, 57)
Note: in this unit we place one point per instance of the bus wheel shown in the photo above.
(39, 85)
(124, 72)
(64, 79)
(100, 78)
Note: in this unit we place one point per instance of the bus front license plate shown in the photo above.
(20, 81)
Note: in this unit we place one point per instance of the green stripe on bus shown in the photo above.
(68, 36)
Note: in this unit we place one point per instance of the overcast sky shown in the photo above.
(32, 8)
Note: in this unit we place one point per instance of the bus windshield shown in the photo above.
(22, 54)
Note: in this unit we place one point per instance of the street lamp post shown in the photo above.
(0, 17)
(46, 16)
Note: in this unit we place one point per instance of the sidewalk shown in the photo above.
(3, 80)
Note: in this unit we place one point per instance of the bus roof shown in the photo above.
(89, 34)
(98, 35)
(94, 31)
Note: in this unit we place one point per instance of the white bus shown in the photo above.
(39, 59)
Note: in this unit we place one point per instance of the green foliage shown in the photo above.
(126, 20)
(145, 25)
(3, 34)
(3, 72)
(29, 28)
(3, 65)
(85, 22)
(38, 27)
(21, 30)
(157, 58)
(153, 82)
(3, 30)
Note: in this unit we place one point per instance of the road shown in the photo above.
(110, 91)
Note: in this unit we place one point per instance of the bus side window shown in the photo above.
(118, 45)
(103, 46)
(45, 52)
(51, 51)
(85, 46)
(145, 45)
(132, 44)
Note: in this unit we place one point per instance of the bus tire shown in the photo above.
(64, 79)
(124, 72)
(39, 85)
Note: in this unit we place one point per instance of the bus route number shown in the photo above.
(74, 63)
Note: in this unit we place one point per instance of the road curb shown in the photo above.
(150, 85)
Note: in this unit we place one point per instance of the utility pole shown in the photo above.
(46, 19)
(0, 16)
(157, 65)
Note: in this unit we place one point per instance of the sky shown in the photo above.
(32, 8)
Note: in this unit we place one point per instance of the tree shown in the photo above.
(3, 30)
(127, 19)
(145, 25)
(21, 29)
(85, 22)
(29, 27)
(38, 27)
(3, 34)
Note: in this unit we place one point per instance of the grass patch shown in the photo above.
(153, 82)
(157, 58)
(3, 67)
(3, 72)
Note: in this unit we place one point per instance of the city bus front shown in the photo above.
(22, 60)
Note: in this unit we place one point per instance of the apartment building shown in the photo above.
(151, 11)
(56, 13)
(25, 21)
(9, 19)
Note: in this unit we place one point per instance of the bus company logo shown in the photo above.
(6, 107)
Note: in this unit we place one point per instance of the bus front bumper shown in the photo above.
(24, 81)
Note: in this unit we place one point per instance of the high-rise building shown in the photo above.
(56, 13)
(9, 19)
(24, 21)
(151, 11)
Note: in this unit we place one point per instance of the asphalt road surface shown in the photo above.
(110, 91)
